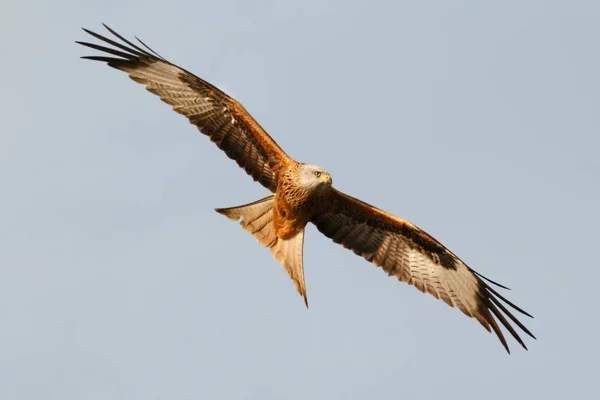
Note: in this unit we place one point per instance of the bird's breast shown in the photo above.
(288, 219)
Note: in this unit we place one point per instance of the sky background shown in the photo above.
(476, 121)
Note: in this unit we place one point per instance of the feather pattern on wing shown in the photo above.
(412, 256)
(215, 114)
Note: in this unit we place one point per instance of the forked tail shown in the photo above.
(257, 219)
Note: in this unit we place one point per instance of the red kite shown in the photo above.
(302, 193)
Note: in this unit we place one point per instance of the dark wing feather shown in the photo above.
(411, 255)
(217, 115)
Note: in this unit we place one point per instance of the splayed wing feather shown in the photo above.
(411, 255)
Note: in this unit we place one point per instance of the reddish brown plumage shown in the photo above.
(278, 221)
(292, 210)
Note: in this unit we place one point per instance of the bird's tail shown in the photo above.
(257, 219)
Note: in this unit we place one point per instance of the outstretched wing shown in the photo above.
(405, 251)
(217, 115)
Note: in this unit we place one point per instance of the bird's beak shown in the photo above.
(326, 179)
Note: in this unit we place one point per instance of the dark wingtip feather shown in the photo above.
(493, 312)
(506, 324)
(149, 48)
(489, 280)
(519, 309)
(134, 51)
(126, 56)
(142, 51)
(511, 316)
(99, 58)
(498, 332)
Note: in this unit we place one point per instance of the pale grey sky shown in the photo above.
(477, 122)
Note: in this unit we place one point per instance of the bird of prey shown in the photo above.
(303, 193)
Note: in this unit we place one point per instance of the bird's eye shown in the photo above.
(317, 174)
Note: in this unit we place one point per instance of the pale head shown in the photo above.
(313, 178)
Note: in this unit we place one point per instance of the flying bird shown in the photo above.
(303, 193)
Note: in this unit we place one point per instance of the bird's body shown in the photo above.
(295, 204)
(303, 193)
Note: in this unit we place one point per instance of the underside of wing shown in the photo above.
(217, 115)
(412, 256)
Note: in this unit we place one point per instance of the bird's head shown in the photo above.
(313, 177)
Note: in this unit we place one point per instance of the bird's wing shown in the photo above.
(411, 255)
(217, 115)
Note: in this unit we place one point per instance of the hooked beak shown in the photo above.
(325, 179)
